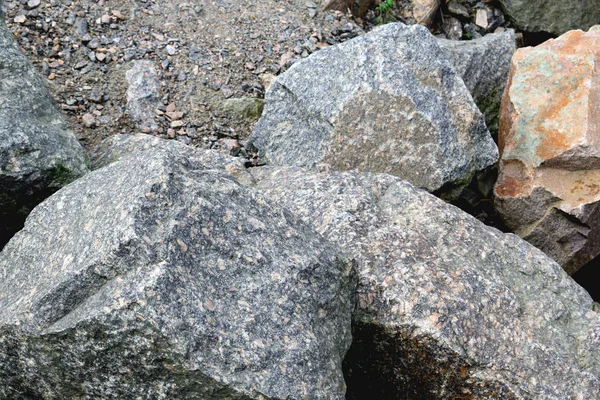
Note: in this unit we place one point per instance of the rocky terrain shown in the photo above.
(337, 199)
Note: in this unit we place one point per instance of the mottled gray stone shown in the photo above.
(388, 101)
(552, 16)
(115, 147)
(159, 278)
(447, 307)
(483, 65)
(38, 153)
(143, 94)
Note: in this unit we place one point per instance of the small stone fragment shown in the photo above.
(31, 4)
(481, 18)
(88, 120)
(143, 93)
(171, 50)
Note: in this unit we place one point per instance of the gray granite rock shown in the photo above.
(38, 153)
(552, 16)
(483, 65)
(143, 94)
(447, 307)
(116, 147)
(388, 101)
(159, 278)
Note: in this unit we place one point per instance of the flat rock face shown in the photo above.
(388, 101)
(548, 191)
(483, 65)
(158, 278)
(38, 153)
(552, 16)
(447, 307)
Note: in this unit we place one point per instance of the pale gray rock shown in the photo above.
(447, 307)
(552, 16)
(38, 153)
(143, 94)
(159, 278)
(389, 101)
(483, 65)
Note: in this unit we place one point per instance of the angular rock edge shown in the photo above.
(38, 153)
(158, 277)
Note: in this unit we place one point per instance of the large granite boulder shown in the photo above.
(389, 101)
(483, 65)
(447, 307)
(158, 277)
(548, 191)
(552, 16)
(38, 153)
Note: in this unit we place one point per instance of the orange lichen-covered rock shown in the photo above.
(548, 190)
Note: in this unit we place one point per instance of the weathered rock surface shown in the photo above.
(483, 65)
(38, 153)
(552, 16)
(388, 101)
(143, 94)
(548, 190)
(447, 308)
(116, 147)
(158, 278)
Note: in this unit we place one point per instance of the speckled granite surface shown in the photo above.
(448, 308)
(389, 101)
(158, 278)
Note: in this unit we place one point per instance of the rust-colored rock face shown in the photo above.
(548, 190)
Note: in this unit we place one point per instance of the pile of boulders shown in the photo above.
(338, 269)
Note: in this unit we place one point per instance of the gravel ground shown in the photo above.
(208, 54)
(205, 52)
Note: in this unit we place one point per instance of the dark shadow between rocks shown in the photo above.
(12, 217)
(422, 370)
(477, 199)
(535, 38)
(588, 277)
